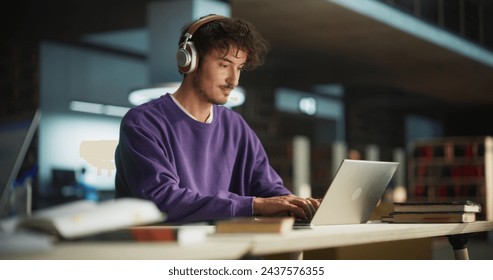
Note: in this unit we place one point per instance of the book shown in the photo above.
(153, 233)
(184, 234)
(84, 218)
(430, 217)
(256, 225)
(449, 206)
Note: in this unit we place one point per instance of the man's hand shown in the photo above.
(301, 208)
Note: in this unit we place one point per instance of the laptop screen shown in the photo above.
(16, 134)
(354, 192)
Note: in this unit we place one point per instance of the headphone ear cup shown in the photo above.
(187, 58)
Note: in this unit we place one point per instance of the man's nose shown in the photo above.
(233, 77)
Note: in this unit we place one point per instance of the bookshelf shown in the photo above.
(19, 82)
(280, 153)
(452, 168)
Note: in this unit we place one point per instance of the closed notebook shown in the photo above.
(449, 206)
(256, 225)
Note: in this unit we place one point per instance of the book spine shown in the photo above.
(154, 234)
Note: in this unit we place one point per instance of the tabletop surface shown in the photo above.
(235, 246)
(346, 235)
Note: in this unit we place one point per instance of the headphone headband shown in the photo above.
(196, 25)
(186, 55)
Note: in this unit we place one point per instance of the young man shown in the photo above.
(197, 160)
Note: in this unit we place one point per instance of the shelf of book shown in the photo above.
(452, 168)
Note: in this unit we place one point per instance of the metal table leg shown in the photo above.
(459, 244)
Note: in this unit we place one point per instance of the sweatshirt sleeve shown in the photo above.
(149, 173)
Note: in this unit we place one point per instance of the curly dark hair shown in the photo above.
(225, 33)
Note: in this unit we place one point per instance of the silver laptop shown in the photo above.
(354, 192)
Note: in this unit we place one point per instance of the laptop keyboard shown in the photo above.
(302, 222)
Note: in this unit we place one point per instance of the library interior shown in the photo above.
(407, 81)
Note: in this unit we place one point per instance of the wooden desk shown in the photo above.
(297, 241)
(236, 246)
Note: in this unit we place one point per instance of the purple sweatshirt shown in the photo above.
(193, 171)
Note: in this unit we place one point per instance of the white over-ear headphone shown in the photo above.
(186, 56)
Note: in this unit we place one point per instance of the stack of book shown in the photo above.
(434, 212)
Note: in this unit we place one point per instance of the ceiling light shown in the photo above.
(140, 96)
(97, 108)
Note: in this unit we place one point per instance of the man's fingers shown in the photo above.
(299, 207)
(313, 209)
(314, 202)
(306, 206)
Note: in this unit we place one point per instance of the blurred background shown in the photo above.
(403, 80)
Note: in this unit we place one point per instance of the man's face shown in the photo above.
(218, 75)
